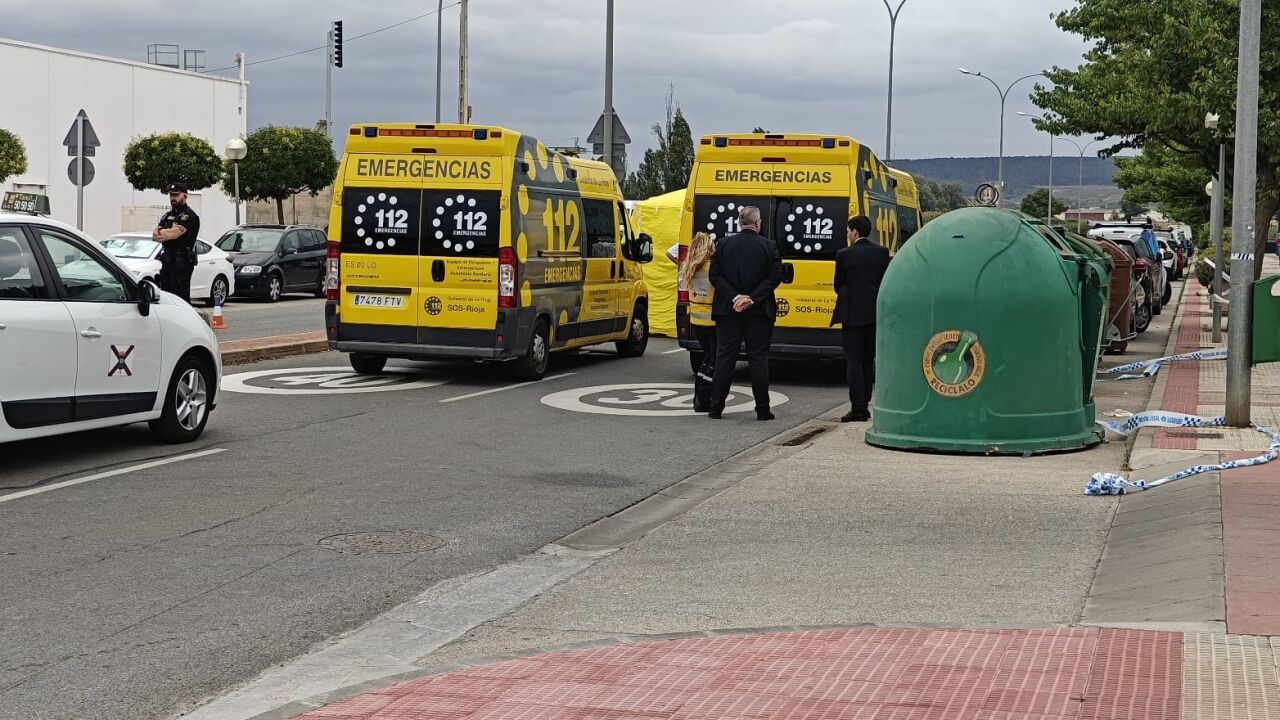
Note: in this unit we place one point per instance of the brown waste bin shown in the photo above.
(1121, 301)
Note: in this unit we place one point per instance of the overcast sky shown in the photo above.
(538, 65)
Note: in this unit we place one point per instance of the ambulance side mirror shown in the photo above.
(639, 249)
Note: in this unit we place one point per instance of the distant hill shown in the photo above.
(1023, 174)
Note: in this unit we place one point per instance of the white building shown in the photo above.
(43, 89)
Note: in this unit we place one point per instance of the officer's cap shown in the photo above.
(177, 187)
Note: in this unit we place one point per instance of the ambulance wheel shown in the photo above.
(538, 357)
(695, 361)
(367, 363)
(638, 339)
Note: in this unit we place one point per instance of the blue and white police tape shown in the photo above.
(1151, 367)
(1113, 484)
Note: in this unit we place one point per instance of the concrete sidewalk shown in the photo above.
(831, 579)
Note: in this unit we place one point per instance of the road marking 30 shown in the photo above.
(111, 473)
(504, 388)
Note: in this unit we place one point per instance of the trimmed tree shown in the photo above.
(13, 155)
(1036, 202)
(154, 161)
(1152, 75)
(282, 162)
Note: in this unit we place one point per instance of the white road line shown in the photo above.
(673, 352)
(111, 473)
(504, 388)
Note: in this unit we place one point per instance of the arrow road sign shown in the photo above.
(90, 137)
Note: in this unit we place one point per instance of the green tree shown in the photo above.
(13, 155)
(1173, 182)
(1036, 201)
(939, 197)
(758, 129)
(154, 161)
(667, 167)
(1152, 74)
(1130, 209)
(282, 162)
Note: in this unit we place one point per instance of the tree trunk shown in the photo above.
(280, 210)
(1268, 204)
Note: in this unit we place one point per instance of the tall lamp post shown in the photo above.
(1216, 213)
(235, 150)
(1080, 179)
(893, 31)
(1244, 200)
(1048, 214)
(1004, 94)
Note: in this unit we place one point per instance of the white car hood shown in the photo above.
(139, 266)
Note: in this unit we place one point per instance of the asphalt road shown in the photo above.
(140, 594)
(252, 318)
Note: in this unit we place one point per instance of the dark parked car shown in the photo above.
(272, 260)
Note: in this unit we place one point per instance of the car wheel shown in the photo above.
(218, 292)
(695, 361)
(1168, 295)
(1142, 318)
(638, 339)
(275, 287)
(537, 357)
(320, 291)
(186, 402)
(368, 363)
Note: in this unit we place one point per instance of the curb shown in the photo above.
(243, 352)
(1144, 441)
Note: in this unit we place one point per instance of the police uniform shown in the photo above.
(178, 257)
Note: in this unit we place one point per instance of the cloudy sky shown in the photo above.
(538, 65)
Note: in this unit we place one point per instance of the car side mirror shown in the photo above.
(284, 251)
(148, 295)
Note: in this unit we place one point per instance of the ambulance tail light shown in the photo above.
(506, 278)
(682, 292)
(332, 280)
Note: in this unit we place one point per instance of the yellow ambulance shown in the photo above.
(807, 187)
(463, 241)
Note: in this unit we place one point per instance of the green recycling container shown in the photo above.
(1266, 320)
(989, 332)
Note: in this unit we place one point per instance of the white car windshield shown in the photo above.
(128, 246)
(249, 240)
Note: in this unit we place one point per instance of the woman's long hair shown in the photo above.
(700, 251)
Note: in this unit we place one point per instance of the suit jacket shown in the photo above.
(859, 270)
(746, 264)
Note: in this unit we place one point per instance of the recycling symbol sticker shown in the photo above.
(807, 230)
(954, 363)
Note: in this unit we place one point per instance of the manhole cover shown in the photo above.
(388, 543)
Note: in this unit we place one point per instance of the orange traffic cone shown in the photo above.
(218, 322)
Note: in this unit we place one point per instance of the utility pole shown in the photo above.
(1048, 218)
(328, 86)
(464, 107)
(80, 171)
(608, 87)
(1216, 210)
(1244, 206)
(244, 119)
(439, 51)
(888, 124)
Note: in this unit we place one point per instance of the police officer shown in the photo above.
(177, 231)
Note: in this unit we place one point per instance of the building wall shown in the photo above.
(46, 87)
(301, 209)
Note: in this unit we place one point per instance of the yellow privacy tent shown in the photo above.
(660, 217)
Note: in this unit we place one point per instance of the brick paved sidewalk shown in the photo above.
(871, 673)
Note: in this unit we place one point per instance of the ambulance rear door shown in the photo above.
(811, 207)
(461, 234)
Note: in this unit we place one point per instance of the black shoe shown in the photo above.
(854, 416)
(715, 414)
(763, 415)
(701, 407)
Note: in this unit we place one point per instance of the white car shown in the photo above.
(214, 277)
(85, 346)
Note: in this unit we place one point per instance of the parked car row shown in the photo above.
(1151, 276)
(262, 261)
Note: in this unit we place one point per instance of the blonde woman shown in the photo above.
(695, 275)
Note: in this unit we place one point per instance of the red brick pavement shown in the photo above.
(872, 674)
(1250, 544)
(1182, 392)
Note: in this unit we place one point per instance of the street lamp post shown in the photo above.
(1004, 94)
(439, 51)
(235, 150)
(1080, 179)
(1216, 213)
(893, 31)
(1048, 215)
(1244, 201)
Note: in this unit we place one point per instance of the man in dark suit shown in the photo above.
(859, 270)
(745, 271)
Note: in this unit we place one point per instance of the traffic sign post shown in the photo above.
(81, 142)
